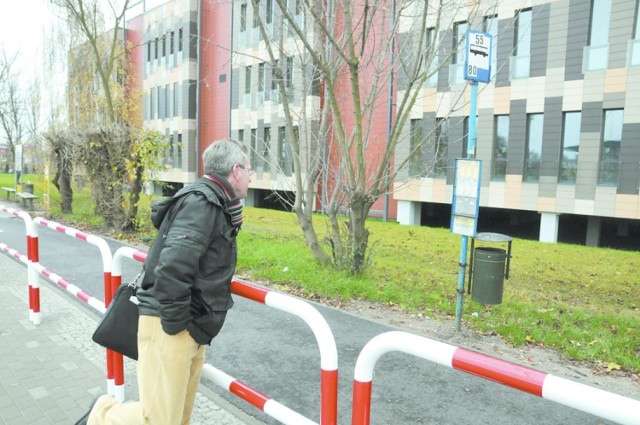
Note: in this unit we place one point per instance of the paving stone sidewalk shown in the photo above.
(50, 373)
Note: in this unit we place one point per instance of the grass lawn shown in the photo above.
(582, 301)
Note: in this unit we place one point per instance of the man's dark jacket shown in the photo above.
(190, 265)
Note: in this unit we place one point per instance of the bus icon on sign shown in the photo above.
(479, 50)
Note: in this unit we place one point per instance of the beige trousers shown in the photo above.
(169, 369)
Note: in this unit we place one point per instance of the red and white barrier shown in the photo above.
(105, 253)
(32, 257)
(320, 329)
(271, 407)
(13, 253)
(116, 280)
(85, 297)
(582, 397)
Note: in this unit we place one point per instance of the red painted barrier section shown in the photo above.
(249, 394)
(512, 375)
(249, 291)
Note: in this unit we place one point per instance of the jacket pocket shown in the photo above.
(204, 328)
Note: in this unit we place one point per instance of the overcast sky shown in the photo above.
(22, 23)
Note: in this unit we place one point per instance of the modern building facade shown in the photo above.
(167, 65)
(558, 126)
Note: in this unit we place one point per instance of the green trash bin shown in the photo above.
(488, 275)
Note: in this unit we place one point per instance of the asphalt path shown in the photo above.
(277, 354)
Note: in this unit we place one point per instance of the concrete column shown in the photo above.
(409, 213)
(623, 228)
(549, 227)
(250, 200)
(593, 231)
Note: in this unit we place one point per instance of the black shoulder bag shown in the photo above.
(118, 329)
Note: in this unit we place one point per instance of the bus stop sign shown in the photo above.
(478, 63)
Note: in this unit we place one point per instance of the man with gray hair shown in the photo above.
(185, 293)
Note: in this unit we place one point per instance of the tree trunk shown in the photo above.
(134, 197)
(62, 181)
(359, 232)
(305, 222)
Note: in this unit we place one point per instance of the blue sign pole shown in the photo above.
(464, 243)
(463, 264)
(473, 117)
(477, 68)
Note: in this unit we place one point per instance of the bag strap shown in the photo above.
(135, 283)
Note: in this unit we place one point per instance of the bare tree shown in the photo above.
(113, 148)
(351, 53)
(11, 104)
(105, 47)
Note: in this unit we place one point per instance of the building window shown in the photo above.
(432, 58)
(171, 41)
(155, 48)
(633, 50)
(254, 149)
(269, 16)
(266, 148)
(288, 82)
(456, 69)
(596, 54)
(490, 25)
(180, 40)
(179, 151)
(570, 147)
(256, 15)
(243, 17)
(261, 76)
(159, 96)
(610, 148)
(533, 152)
(416, 149)
(501, 145)
(247, 79)
(149, 52)
(176, 110)
(441, 147)
(241, 136)
(285, 161)
(520, 63)
(167, 101)
(465, 139)
(282, 148)
(164, 45)
(274, 82)
(152, 104)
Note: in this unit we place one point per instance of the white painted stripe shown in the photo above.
(35, 317)
(285, 415)
(96, 304)
(111, 387)
(592, 400)
(73, 289)
(317, 323)
(217, 376)
(32, 272)
(118, 392)
(435, 351)
(105, 251)
(54, 277)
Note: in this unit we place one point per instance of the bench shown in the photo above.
(27, 197)
(9, 191)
